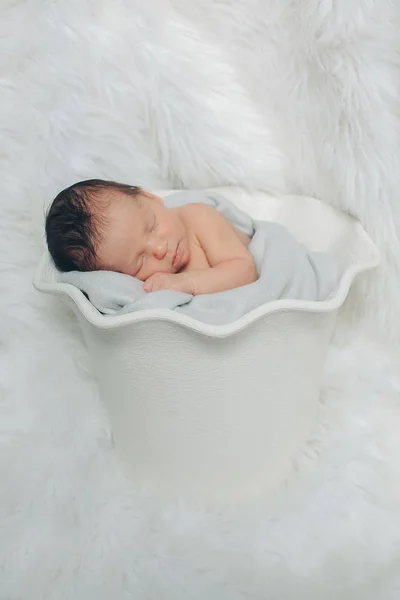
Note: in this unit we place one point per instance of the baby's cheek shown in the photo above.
(147, 271)
(157, 266)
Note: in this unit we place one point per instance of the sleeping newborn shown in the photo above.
(102, 225)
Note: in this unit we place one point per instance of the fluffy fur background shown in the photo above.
(277, 94)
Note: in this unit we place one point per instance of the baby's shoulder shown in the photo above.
(197, 207)
(201, 212)
(202, 217)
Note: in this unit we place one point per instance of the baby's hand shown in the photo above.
(179, 282)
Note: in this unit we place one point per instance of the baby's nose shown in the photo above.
(159, 249)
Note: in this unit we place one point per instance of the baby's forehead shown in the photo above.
(117, 204)
(110, 197)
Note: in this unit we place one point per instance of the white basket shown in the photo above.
(218, 412)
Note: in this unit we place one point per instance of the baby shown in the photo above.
(103, 225)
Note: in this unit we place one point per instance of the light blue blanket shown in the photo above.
(286, 268)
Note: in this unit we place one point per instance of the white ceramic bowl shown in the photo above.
(218, 412)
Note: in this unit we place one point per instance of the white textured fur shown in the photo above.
(278, 94)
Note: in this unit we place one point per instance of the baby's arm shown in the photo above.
(232, 264)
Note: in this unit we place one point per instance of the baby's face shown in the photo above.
(142, 237)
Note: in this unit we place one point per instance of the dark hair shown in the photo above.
(73, 229)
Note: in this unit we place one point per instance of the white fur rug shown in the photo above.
(277, 94)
